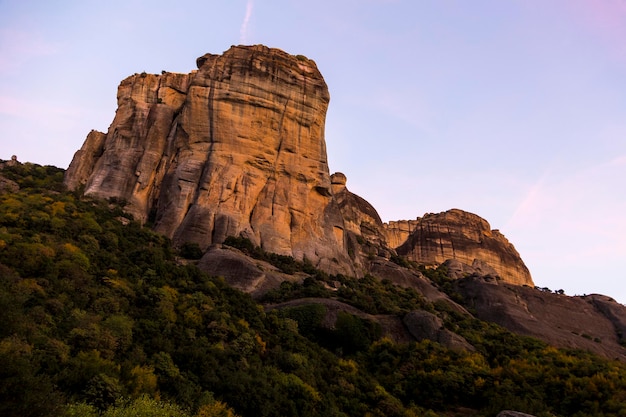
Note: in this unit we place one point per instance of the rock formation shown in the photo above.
(393, 327)
(237, 148)
(593, 322)
(424, 325)
(252, 276)
(467, 238)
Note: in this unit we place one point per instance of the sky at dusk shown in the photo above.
(513, 110)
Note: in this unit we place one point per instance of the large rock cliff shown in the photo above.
(237, 148)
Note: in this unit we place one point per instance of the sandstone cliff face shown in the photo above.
(467, 238)
(397, 232)
(236, 147)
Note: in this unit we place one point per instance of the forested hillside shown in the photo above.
(101, 316)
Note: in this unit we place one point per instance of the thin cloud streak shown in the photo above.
(243, 32)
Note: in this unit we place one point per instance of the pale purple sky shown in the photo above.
(514, 110)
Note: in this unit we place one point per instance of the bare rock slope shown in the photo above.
(594, 322)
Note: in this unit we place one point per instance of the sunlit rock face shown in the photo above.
(466, 238)
(234, 148)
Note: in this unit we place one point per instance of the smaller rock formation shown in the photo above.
(7, 185)
(466, 237)
(478, 268)
(416, 325)
(11, 163)
(595, 323)
(364, 230)
(84, 160)
(249, 275)
(409, 278)
(397, 232)
(613, 311)
(424, 325)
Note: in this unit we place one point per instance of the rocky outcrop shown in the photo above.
(7, 185)
(417, 325)
(252, 276)
(463, 236)
(364, 231)
(457, 270)
(84, 162)
(397, 232)
(235, 148)
(613, 311)
(594, 323)
(424, 325)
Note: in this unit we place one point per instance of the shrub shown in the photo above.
(190, 250)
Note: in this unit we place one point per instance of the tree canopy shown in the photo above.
(101, 318)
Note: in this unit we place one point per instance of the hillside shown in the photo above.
(101, 314)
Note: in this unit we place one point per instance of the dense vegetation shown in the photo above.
(100, 317)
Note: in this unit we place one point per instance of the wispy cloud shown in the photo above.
(243, 32)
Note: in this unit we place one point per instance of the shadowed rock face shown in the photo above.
(465, 237)
(594, 322)
(424, 325)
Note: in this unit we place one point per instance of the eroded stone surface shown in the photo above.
(466, 237)
(235, 148)
(594, 322)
